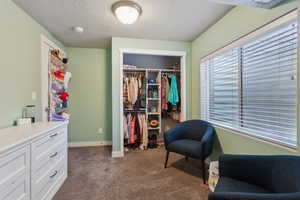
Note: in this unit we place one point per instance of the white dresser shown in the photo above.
(33, 161)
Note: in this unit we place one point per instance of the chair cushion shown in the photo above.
(191, 148)
(231, 185)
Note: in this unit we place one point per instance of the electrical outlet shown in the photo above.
(100, 130)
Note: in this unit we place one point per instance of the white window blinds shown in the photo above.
(223, 88)
(269, 86)
(252, 88)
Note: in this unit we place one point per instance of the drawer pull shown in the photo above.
(53, 155)
(53, 175)
(54, 135)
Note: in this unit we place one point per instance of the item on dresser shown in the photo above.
(29, 112)
(23, 121)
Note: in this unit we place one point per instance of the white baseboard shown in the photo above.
(117, 154)
(89, 144)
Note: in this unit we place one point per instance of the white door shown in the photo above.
(46, 46)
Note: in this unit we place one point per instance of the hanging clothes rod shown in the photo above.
(144, 70)
(150, 68)
(134, 70)
(130, 111)
(170, 70)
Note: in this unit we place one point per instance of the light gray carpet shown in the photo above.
(140, 175)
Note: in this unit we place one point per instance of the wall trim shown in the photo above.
(184, 83)
(46, 45)
(89, 144)
(117, 154)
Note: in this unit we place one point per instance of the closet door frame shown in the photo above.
(46, 46)
(183, 74)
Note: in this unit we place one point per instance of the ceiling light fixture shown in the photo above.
(127, 12)
(78, 29)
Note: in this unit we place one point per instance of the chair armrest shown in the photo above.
(174, 134)
(252, 196)
(208, 141)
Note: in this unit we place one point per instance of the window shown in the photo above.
(251, 86)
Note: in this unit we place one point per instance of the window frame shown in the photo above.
(204, 90)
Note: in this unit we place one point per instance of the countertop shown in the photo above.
(16, 135)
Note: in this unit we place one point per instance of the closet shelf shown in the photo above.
(151, 128)
(155, 84)
(153, 99)
(154, 113)
(141, 110)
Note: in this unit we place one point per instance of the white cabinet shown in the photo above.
(33, 164)
(15, 174)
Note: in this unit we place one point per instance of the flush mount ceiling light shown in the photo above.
(127, 12)
(78, 29)
(253, 3)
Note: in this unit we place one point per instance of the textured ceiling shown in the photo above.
(177, 20)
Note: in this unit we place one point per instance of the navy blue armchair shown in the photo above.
(247, 177)
(193, 138)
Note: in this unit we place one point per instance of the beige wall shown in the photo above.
(20, 66)
(237, 23)
(90, 95)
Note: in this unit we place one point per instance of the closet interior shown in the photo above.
(151, 98)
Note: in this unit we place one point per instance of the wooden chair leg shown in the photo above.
(167, 158)
(186, 158)
(203, 172)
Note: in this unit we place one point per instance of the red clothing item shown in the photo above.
(59, 75)
(64, 96)
(132, 130)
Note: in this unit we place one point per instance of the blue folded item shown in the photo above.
(151, 80)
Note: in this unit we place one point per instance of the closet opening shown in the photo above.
(153, 97)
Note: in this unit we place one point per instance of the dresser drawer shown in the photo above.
(43, 144)
(47, 160)
(43, 185)
(16, 189)
(15, 174)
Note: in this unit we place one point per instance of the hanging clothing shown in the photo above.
(136, 90)
(173, 97)
(135, 130)
(137, 133)
(126, 95)
(68, 76)
(132, 129)
(164, 93)
(144, 131)
(125, 127)
(143, 93)
(133, 87)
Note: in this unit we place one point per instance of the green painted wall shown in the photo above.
(238, 22)
(90, 94)
(118, 43)
(20, 61)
